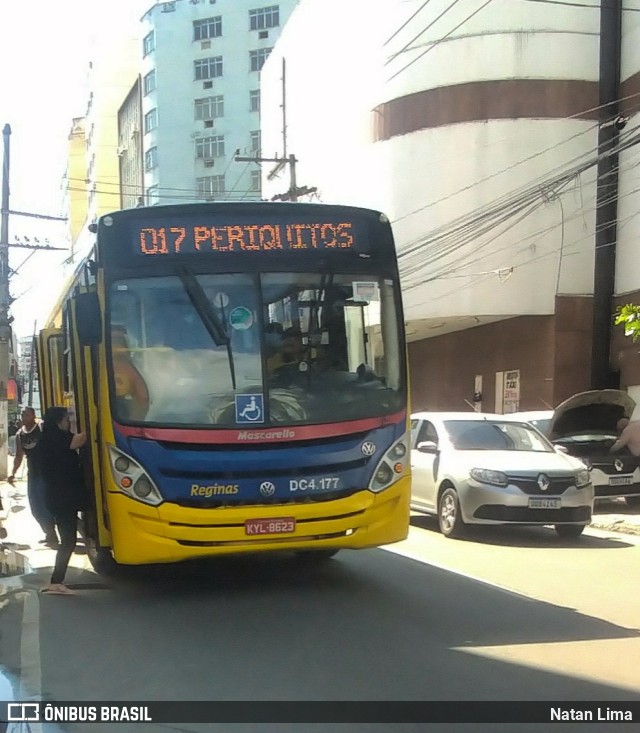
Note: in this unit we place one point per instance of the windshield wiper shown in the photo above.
(207, 314)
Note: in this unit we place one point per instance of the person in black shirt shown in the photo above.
(64, 490)
(28, 444)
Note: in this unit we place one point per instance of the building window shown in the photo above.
(149, 82)
(256, 180)
(210, 147)
(254, 100)
(264, 18)
(151, 120)
(208, 108)
(255, 141)
(153, 195)
(148, 44)
(207, 28)
(208, 68)
(257, 58)
(210, 186)
(151, 158)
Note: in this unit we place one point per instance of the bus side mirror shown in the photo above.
(88, 318)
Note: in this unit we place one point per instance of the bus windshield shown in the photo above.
(288, 348)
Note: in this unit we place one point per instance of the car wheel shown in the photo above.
(633, 502)
(449, 515)
(569, 531)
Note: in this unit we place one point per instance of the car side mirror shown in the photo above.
(561, 449)
(427, 446)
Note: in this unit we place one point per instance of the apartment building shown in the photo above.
(200, 72)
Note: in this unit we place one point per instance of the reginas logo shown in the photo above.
(215, 490)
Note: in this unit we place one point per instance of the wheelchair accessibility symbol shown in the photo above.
(249, 408)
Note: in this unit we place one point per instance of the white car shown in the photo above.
(540, 419)
(585, 427)
(475, 468)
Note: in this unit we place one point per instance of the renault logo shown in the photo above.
(368, 448)
(267, 488)
(543, 482)
(618, 464)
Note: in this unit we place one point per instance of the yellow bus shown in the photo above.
(240, 370)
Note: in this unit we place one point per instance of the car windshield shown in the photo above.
(239, 349)
(542, 425)
(495, 435)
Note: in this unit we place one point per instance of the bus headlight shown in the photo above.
(391, 466)
(132, 479)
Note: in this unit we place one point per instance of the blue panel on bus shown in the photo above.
(205, 475)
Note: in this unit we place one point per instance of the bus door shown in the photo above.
(83, 384)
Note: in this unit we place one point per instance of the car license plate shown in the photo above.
(620, 480)
(277, 525)
(544, 503)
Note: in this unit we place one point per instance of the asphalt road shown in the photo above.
(513, 614)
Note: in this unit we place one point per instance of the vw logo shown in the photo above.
(267, 488)
(543, 482)
(618, 464)
(368, 448)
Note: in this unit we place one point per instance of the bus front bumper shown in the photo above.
(169, 533)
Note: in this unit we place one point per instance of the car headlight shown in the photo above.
(587, 463)
(582, 478)
(132, 479)
(485, 476)
(391, 466)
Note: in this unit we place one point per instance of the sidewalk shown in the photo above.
(616, 516)
(22, 552)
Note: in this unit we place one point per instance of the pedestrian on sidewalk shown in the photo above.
(28, 444)
(64, 488)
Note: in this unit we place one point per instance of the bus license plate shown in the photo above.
(278, 525)
(544, 503)
(620, 480)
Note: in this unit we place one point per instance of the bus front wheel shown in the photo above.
(102, 560)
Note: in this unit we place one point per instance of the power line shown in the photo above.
(579, 5)
(515, 255)
(407, 21)
(436, 43)
(472, 234)
(500, 172)
(424, 30)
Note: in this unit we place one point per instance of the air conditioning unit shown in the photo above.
(168, 7)
(209, 163)
(195, 134)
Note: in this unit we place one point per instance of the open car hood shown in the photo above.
(596, 411)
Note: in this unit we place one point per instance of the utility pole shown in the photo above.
(607, 195)
(284, 107)
(286, 159)
(5, 322)
(294, 190)
(32, 363)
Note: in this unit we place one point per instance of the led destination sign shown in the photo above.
(290, 237)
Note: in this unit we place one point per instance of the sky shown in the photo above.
(45, 50)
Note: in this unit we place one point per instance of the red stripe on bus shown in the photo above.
(258, 435)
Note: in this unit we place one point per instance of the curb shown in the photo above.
(617, 525)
